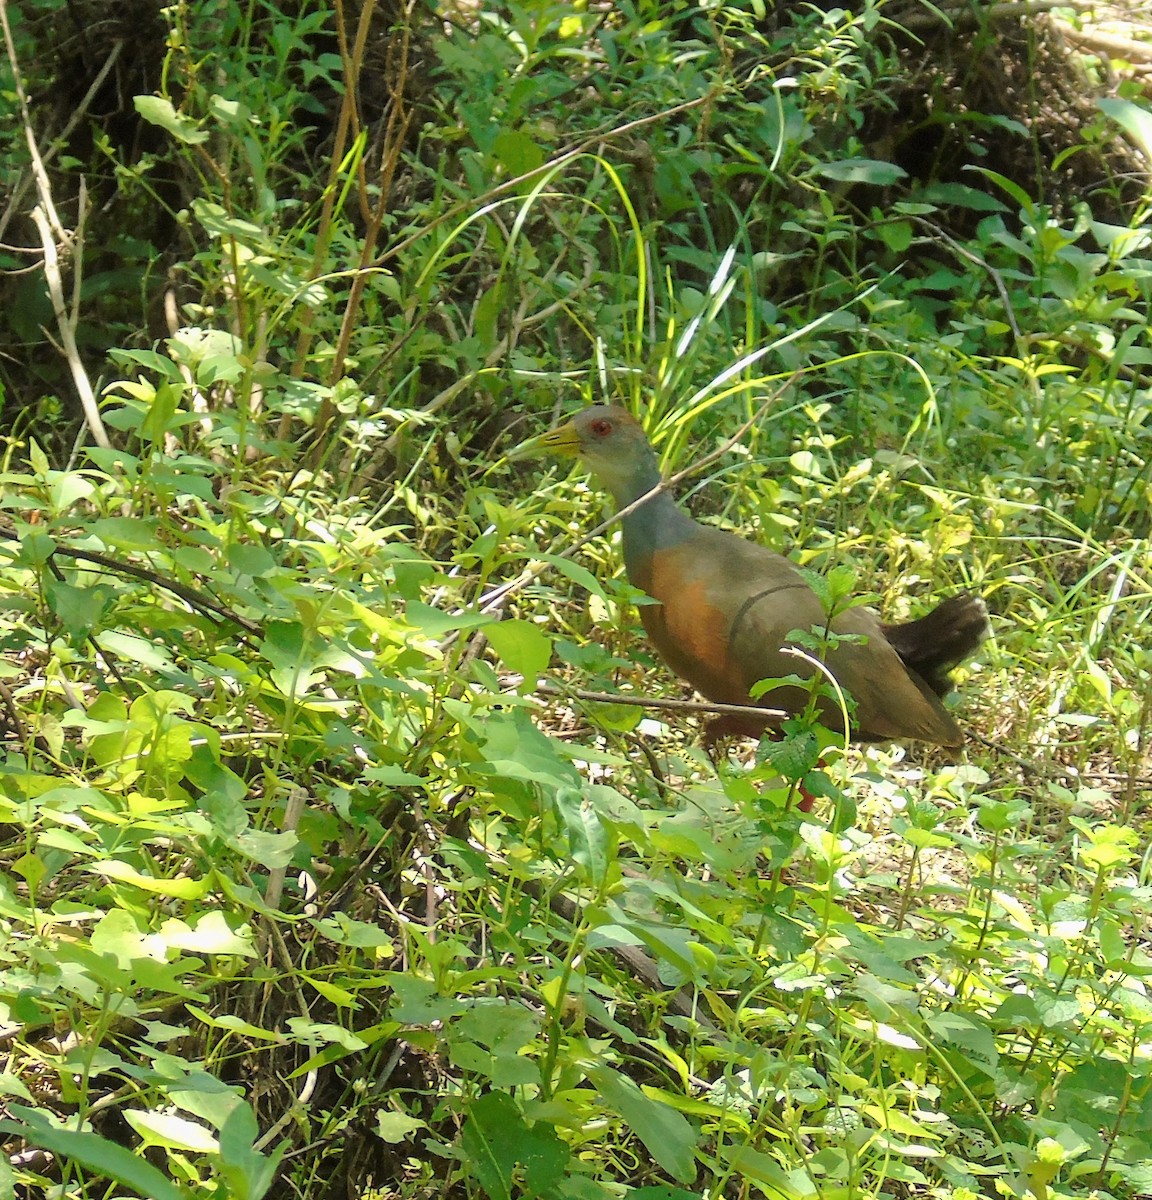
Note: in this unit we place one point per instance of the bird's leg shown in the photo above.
(729, 725)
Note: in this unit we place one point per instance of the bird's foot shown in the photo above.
(729, 725)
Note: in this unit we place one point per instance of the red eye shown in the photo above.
(601, 427)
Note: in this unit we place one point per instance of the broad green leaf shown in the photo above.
(170, 1131)
(435, 623)
(774, 1181)
(94, 1152)
(248, 1173)
(396, 1126)
(1135, 119)
(504, 1152)
(516, 749)
(235, 1025)
(668, 1136)
(517, 152)
(79, 609)
(268, 848)
(251, 560)
(135, 649)
(896, 235)
(158, 111)
(522, 647)
(338, 996)
(346, 931)
(117, 935)
(313, 1033)
(589, 842)
(1026, 203)
(574, 571)
(960, 195)
(209, 933)
(862, 170)
(394, 776)
(415, 1001)
(331, 1054)
(127, 533)
(181, 889)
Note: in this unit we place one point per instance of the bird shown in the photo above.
(725, 607)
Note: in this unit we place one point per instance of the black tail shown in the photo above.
(936, 643)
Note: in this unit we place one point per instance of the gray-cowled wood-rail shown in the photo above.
(725, 607)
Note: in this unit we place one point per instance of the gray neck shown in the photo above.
(657, 524)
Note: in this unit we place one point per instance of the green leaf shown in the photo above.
(588, 838)
(248, 1173)
(79, 609)
(765, 1170)
(158, 111)
(171, 1131)
(182, 889)
(434, 622)
(523, 648)
(517, 152)
(251, 560)
(574, 571)
(396, 1126)
(497, 1140)
(516, 749)
(266, 847)
(209, 933)
(127, 533)
(960, 195)
(862, 170)
(394, 776)
(1026, 203)
(896, 235)
(125, 1167)
(1134, 119)
(667, 1135)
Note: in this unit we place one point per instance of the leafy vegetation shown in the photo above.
(310, 888)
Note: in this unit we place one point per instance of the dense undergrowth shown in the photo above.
(307, 890)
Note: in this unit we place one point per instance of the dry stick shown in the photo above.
(350, 65)
(51, 231)
(683, 706)
(395, 132)
(67, 325)
(191, 596)
(293, 810)
(1109, 45)
(969, 16)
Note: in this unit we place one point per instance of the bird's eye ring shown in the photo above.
(601, 427)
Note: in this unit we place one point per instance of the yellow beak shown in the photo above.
(563, 440)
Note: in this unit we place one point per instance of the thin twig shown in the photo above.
(191, 596)
(976, 260)
(681, 706)
(1108, 45)
(67, 327)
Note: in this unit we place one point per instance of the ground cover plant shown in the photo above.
(339, 860)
